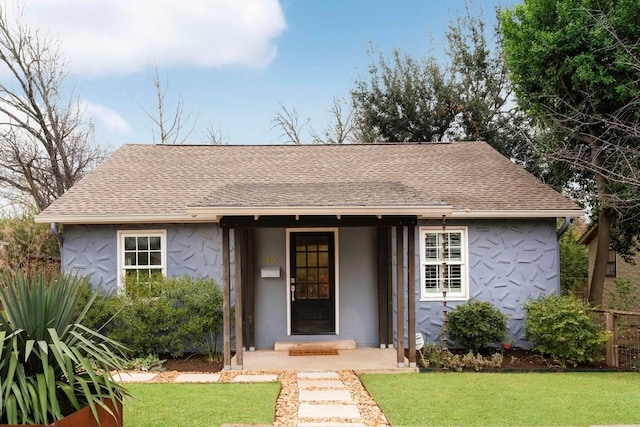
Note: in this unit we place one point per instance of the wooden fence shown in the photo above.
(623, 347)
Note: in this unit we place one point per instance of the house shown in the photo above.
(324, 237)
(617, 269)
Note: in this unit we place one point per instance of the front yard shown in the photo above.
(200, 405)
(507, 399)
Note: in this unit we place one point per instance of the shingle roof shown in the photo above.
(171, 180)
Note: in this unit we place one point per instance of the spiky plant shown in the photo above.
(50, 364)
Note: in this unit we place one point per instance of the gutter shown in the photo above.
(56, 233)
(564, 227)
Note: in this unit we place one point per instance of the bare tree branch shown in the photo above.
(341, 128)
(170, 125)
(45, 144)
(288, 122)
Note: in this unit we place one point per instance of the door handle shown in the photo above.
(293, 292)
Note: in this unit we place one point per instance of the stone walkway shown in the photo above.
(323, 399)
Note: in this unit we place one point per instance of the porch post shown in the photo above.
(237, 245)
(226, 302)
(400, 293)
(389, 273)
(411, 292)
(249, 279)
(383, 284)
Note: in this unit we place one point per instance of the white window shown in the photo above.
(142, 254)
(443, 263)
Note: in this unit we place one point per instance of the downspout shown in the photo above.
(564, 227)
(56, 233)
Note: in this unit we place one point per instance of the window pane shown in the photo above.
(455, 278)
(323, 259)
(301, 275)
(312, 259)
(301, 291)
(301, 244)
(154, 243)
(129, 258)
(312, 275)
(312, 243)
(313, 291)
(323, 243)
(323, 275)
(431, 240)
(432, 278)
(143, 243)
(155, 258)
(431, 254)
(324, 291)
(129, 243)
(455, 254)
(143, 258)
(301, 259)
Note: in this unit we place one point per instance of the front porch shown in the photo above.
(392, 274)
(362, 359)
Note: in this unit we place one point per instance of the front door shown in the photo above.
(312, 283)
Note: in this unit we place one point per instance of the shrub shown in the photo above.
(477, 324)
(164, 315)
(562, 327)
(435, 357)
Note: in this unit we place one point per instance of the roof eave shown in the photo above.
(515, 213)
(208, 214)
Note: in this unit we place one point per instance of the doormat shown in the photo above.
(314, 352)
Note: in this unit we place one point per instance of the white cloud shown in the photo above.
(106, 116)
(125, 36)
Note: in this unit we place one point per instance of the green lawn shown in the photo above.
(509, 399)
(193, 405)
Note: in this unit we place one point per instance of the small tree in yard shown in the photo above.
(477, 324)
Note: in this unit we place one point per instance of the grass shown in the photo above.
(194, 405)
(509, 399)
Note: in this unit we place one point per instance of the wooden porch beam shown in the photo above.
(226, 302)
(250, 280)
(411, 293)
(400, 294)
(237, 245)
(282, 221)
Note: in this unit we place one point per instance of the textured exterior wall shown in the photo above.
(510, 262)
(192, 249)
(358, 305)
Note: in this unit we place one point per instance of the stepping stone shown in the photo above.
(265, 378)
(330, 424)
(133, 377)
(317, 375)
(197, 378)
(320, 383)
(324, 395)
(334, 411)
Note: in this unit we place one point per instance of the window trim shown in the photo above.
(139, 233)
(464, 274)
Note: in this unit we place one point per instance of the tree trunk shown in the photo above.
(596, 290)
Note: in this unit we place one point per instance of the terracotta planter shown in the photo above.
(506, 346)
(84, 417)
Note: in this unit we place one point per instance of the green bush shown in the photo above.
(477, 324)
(562, 327)
(164, 316)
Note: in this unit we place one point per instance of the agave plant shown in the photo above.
(50, 364)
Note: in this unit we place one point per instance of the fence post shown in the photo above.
(611, 355)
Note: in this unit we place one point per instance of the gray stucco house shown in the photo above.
(316, 242)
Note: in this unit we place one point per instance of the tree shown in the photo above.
(45, 144)
(288, 122)
(574, 67)
(170, 124)
(574, 259)
(341, 127)
(464, 98)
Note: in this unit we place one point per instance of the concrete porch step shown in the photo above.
(310, 345)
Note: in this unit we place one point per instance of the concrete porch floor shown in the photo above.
(361, 359)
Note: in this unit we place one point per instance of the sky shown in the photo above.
(231, 63)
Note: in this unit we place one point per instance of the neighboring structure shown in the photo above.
(321, 234)
(617, 269)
